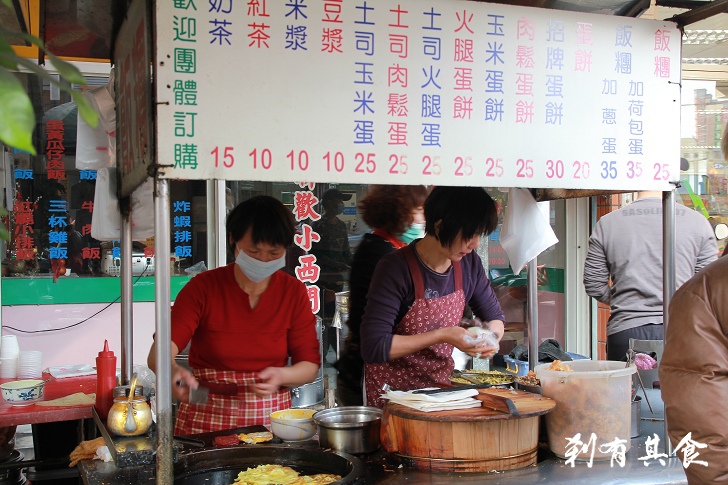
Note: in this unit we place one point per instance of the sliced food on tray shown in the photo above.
(477, 376)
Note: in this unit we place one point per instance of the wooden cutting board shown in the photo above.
(500, 435)
(498, 403)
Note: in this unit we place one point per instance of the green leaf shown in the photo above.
(17, 119)
(8, 57)
(3, 212)
(9, 4)
(4, 234)
(87, 112)
(66, 70)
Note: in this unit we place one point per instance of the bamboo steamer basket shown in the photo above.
(500, 435)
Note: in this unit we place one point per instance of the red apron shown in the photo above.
(242, 408)
(430, 367)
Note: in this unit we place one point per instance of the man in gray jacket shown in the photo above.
(624, 266)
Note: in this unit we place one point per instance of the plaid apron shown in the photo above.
(430, 367)
(222, 412)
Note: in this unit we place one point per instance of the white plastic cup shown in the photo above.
(30, 364)
(8, 367)
(9, 347)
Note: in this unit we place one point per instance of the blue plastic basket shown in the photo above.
(521, 367)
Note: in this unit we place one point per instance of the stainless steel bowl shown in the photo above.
(349, 429)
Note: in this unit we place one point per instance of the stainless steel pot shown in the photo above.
(308, 394)
(349, 429)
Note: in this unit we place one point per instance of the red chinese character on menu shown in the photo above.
(24, 254)
(56, 175)
(308, 272)
(307, 238)
(303, 203)
(314, 296)
(332, 40)
(23, 218)
(332, 11)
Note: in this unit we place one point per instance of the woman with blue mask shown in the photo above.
(391, 211)
(243, 322)
(416, 230)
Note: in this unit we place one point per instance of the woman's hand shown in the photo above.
(182, 382)
(456, 337)
(271, 379)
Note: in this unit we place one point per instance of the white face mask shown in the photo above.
(256, 270)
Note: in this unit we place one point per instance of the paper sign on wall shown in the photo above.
(417, 92)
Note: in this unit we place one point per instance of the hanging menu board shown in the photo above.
(428, 92)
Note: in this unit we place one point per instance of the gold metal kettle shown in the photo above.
(129, 417)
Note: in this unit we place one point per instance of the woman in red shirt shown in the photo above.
(243, 322)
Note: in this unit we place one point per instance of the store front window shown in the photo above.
(704, 172)
(51, 200)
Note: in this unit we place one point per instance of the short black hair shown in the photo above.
(459, 211)
(268, 219)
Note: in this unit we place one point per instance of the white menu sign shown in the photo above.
(428, 92)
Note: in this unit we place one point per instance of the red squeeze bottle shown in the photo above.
(105, 380)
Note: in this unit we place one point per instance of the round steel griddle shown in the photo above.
(221, 466)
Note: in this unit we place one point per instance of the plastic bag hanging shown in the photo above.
(526, 232)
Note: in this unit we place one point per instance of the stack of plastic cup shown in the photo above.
(29, 364)
(9, 351)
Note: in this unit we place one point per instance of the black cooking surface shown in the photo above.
(212, 465)
(222, 465)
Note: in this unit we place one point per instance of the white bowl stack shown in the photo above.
(9, 351)
(29, 364)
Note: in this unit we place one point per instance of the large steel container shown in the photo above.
(349, 429)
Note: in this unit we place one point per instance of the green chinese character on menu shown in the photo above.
(185, 29)
(185, 60)
(184, 124)
(184, 4)
(185, 92)
(185, 155)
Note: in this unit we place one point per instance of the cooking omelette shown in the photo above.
(281, 475)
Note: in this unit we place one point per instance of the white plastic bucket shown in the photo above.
(593, 401)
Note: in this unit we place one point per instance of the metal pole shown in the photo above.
(216, 213)
(210, 233)
(668, 271)
(219, 227)
(532, 305)
(165, 430)
(127, 302)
